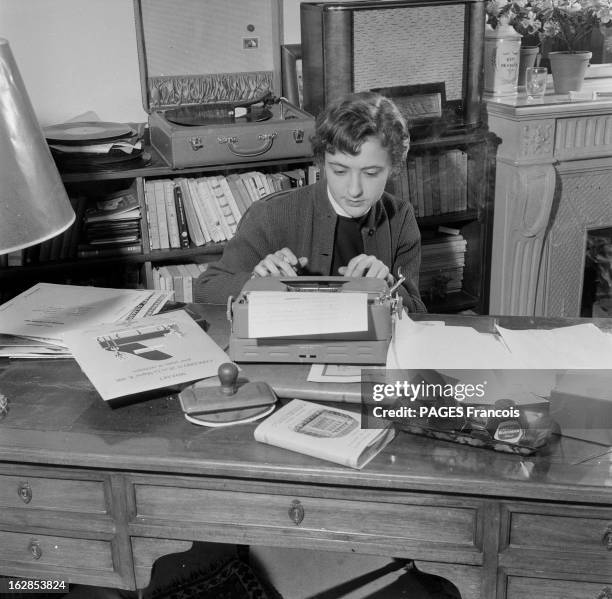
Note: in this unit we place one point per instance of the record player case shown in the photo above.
(216, 54)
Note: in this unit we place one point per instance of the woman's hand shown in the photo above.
(367, 266)
(282, 263)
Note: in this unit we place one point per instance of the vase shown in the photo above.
(568, 70)
(528, 58)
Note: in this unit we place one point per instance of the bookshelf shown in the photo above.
(135, 268)
(472, 220)
(450, 181)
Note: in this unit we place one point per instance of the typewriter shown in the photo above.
(311, 344)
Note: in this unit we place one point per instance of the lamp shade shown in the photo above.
(33, 203)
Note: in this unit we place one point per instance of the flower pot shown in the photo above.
(568, 70)
(528, 58)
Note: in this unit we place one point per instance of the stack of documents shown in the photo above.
(33, 324)
(466, 354)
(433, 345)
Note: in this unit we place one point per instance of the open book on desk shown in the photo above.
(323, 432)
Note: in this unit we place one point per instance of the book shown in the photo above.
(162, 218)
(113, 206)
(224, 210)
(322, 432)
(250, 185)
(212, 218)
(187, 283)
(239, 192)
(231, 200)
(171, 218)
(181, 217)
(443, 182)
(196, 202)
(130, 361)
(413, 187)
(151, 208)
(196, 235)
(313, 174)
(418, 166)
(88, 251)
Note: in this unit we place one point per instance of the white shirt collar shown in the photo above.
(339, 210)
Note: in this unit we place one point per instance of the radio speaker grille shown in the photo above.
(411, 37)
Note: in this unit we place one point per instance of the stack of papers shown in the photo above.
(466, 354)
(34, 323)
(436, 346)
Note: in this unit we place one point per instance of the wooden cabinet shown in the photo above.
(458, 198)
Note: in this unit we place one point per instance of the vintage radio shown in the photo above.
(426, 54)
(365, 346)
(210, 77)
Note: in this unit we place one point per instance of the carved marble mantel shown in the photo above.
(553, 184)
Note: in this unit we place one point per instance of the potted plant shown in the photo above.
(523, 18)
(567, 29)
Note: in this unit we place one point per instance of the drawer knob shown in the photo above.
(296, 512)
(605, 593)
(606, 540)
(35, 549)
(25, 492)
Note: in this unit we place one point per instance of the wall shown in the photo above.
(75, 56)
(80, 55)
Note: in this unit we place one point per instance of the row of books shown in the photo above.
(106, 226)
(437, 183)
(111, 225)
(177, 278)
(189, 212)
(442, 264)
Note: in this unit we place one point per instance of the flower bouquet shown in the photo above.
(519, 14)
(569, 24)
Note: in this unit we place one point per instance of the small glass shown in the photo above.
(535, 82)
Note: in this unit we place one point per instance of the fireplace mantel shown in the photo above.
(553, 184)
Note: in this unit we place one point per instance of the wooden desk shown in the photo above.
(96, 495)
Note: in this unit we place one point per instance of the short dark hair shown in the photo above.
(344, 125)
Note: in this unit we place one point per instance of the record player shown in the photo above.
(210, 79)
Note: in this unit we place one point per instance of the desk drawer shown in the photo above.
(62, 553)
(519, 587)
(36, 492)
(358, 516)
(574, 534)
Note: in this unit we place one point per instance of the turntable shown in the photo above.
(230, 114)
